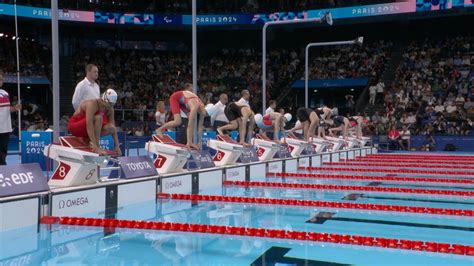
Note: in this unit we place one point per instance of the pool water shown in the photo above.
(79, 245)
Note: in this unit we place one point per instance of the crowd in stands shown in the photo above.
(350, 61)
(34, 62)
(149, 76)
(203, 6)
(34, 58)
(145, 77)
(433, 92)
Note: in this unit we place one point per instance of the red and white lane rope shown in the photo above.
(407, 165)
(395, 171)
(321, 204)
(351, 188)
(374, 178)
(369, 241)
(435, 162)
(423, 157)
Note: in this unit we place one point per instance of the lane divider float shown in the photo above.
(318, 203)
(407, 165)
(399, 161)
(409, 171)
(351, 188)
(373, 178)
(368, 241)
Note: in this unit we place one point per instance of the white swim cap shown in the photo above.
(258, 118)
(110, 96)
(288, 117)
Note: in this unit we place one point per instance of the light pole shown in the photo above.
(55, 61)
(194, 37)
(18, 75)
(325, 18)
(358, 41)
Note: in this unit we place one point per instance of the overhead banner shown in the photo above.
(22, 179)
(120, 18)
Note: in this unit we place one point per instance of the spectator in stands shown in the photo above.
(380, 91)
(429, 143)
(88, 88)
(376, 118)
(372, 93)
(271, 107)
(393, 137)
(439, 108)
(405, 138)
(5, 117)
(140, 131)
(469, 106)
(350, 104)
(450, 108)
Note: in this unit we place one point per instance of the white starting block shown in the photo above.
(361, 142)
(337, 144)
(321, 145)
(266, 148)
(295, 146)
(351, 143)
(170, 156)
(228, 151)
(78, 165)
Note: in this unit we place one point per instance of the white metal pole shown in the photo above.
(195, 72)
(55, 52)
(359, 40)
(326, 17)
(18, 76)
(194, 30)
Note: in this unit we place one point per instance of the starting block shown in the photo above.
(266, 148)
(352, 143)
(78, 165)
(227, 150)
(295, 146)
(170, 156)
(321, 145)
(337, 144)
(362, 142)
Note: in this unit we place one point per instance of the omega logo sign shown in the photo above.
(73, 202)
(233, 173)
(173, 184)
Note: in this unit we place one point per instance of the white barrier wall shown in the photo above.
(275, 166)
(291, 166)
(181, 184)
(235, 174)
(210, 180)
(84, 203)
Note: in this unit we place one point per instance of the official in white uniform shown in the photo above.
(219, 119)
(87, 88)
